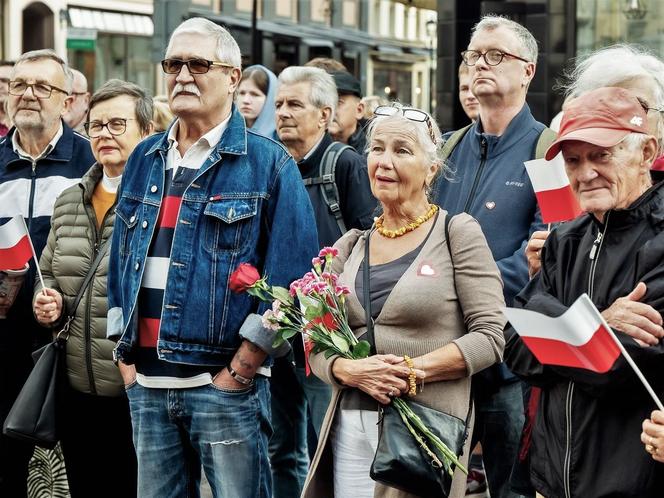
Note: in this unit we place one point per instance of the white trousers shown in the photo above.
(354, 441)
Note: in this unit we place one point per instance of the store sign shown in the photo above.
(81, 39)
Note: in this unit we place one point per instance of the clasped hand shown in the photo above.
(640, 321)
(380, 376)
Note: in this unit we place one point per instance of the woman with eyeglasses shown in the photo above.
(96, 441)
(255, 99)
(436, 301)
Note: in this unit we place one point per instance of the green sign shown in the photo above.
(83, 45)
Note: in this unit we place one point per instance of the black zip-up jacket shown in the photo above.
(586, 439)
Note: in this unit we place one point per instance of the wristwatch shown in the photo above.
(240, 378)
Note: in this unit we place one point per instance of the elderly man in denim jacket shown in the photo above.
(195, 202)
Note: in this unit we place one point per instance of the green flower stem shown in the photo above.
(450, 456)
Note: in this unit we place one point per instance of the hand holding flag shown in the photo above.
(16, 247)
(579, 338)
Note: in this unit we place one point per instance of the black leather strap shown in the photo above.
(366, 291)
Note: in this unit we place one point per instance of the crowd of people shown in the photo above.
(170, 374)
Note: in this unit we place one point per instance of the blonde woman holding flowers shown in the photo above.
(436, 316)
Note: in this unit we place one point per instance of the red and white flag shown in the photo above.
(15, 244)
(577, 338)
(554, 195)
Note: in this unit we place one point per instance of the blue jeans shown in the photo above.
(498, 423)
(176, 431)
(299, 404)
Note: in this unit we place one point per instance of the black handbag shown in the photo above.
(34, 415)
(400, 462)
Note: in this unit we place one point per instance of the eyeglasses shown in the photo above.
(492, 57)
(39, 90)
(195, 66)
(115, 126)
(409, 113)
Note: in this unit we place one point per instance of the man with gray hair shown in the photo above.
(39, 158)
(78, 110)
(194, 203)
(338, 186)
(492, 185)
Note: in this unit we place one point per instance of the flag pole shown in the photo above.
(629, 359)
(34, 255)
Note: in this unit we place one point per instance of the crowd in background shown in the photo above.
(171, 375)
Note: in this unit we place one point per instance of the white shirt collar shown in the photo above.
(209, 140)
(49, 147)
(313, 149)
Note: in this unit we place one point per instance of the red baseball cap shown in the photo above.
(602, 117)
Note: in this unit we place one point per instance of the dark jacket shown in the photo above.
(358, 140)
(355, 198)
(489, 182)
(31, 189)
(586, 433)
(68, 254)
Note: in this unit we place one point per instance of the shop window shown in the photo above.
(605, 22)
(393, 84)
(117, 56)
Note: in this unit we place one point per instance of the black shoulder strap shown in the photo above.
(452, 142)
(366, 294)
(327, 180)
(64, 333)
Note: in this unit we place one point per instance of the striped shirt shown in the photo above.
(151, 371)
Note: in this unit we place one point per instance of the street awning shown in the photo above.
(318, 42)
(111, 22)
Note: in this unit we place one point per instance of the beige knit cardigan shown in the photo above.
(423, 312)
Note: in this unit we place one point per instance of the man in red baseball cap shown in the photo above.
(585, 440)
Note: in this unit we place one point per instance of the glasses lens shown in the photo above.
(17, 87)
(41, 91)
(386, 110)
(94, 128)
(198, 66)
(493, 57)
(470, 57)
(171, 66)
(117, 126)
(414, 115)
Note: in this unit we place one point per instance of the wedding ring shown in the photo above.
(391, 393)
(650, 449)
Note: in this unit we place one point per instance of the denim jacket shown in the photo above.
(247, 204)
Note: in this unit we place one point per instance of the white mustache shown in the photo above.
(189, 88)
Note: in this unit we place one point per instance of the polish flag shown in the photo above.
(578, 338)
(15, 245)
(552, 189)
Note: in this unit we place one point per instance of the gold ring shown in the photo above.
(650, 449)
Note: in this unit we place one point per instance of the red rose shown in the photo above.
(244, 277)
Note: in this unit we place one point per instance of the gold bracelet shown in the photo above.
(412, 385)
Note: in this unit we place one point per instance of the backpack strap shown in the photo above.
(545, 139)
(451, 142)
(327, 180)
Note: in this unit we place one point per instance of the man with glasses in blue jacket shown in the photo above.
(490, 183)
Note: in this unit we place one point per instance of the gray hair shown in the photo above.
(143, 106)
(635, 141)
(49, 54)
(525, 37)
(227, 51)
(322, 90)
(615, 65)
(432, 146)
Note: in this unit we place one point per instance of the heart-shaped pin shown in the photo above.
(426, 270)
(490, 205)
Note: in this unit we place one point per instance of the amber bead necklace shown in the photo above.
(420, 220)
